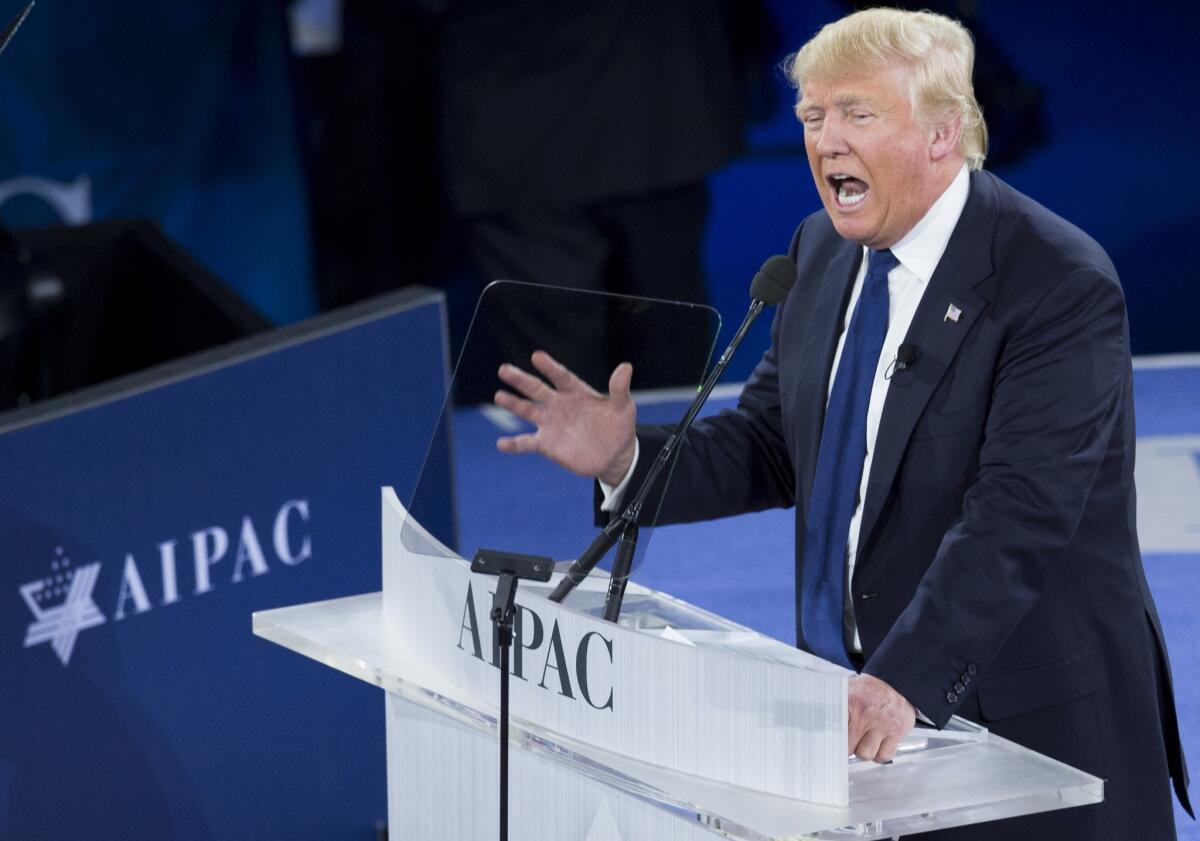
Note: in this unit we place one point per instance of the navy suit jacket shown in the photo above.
(998, 573)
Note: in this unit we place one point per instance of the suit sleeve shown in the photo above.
(1056, 404)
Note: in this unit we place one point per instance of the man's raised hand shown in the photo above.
(586, 432)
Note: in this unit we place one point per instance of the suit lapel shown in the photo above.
(819, 346)
(937, 331)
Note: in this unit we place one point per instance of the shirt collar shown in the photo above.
(921, 248)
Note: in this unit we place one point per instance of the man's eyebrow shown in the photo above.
(841, 101)
(849, 100)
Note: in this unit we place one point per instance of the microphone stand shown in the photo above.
(510, 567)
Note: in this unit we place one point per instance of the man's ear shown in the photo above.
(944, 137)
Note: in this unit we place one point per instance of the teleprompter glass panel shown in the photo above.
(522, 506)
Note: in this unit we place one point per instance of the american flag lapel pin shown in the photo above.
(952, 314)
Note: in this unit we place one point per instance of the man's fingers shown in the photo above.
(524, 409)
(868, 747)
(887, 749)
(524, 382)
(519, 444)
(619, 381)
(559, 375)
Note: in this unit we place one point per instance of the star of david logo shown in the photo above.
(62, 605)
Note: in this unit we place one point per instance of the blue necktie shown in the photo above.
(839, 467)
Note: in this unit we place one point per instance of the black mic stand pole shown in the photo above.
(510, 567)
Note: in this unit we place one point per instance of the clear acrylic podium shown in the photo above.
(674, 724)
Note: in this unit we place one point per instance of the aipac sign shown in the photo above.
(63, 606)
(136, 701)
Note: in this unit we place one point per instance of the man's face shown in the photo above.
(877, 169)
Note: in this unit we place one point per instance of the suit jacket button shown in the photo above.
(958, 687)
(951, 698)
(971, 669)
(966, 679)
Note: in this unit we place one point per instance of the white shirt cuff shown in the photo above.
(612, 495)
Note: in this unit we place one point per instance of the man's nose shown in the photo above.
(831, 140)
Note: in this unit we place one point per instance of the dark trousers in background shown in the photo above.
(647, 246)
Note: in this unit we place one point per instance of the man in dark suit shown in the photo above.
(947, 402)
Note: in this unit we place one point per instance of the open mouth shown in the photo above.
(847, 190)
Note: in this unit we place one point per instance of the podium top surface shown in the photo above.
(939, 778)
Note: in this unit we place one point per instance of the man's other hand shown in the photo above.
(586, 432)
(879, 718)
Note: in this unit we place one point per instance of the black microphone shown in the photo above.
(770, 285)
(906, 355)
(773, 281)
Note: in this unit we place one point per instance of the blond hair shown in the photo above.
(938, 52)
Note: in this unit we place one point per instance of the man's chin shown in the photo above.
(851, 229)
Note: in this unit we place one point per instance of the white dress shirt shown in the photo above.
(919, 252)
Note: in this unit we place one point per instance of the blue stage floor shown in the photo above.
(742, 567)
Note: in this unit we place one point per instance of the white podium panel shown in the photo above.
(676, 724)
(458, 797)
(672, 685)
